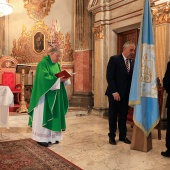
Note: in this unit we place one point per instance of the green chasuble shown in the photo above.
(55, 102)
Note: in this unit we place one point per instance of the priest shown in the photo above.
(49, 101)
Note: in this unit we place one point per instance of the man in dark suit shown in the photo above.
(166, 85)
(119, 75)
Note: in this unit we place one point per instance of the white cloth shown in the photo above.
(6, 100)
(6, 96)
(67, 82)
(39, 133)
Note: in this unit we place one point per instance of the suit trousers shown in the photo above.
(118, 110)
(168, 130)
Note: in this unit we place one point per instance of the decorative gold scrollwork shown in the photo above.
(98, 32)
(161, 14)
(24, 50)
(68, 52)
(8, 62)
(38, 9)
(33, 45)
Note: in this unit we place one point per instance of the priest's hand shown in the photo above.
(62, 79)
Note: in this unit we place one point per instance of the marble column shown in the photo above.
(162, 47)
(82, 88)
(161, 18)
(100, 63)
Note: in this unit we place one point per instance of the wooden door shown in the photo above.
(131, 35)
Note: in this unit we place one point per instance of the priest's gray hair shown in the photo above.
(53, 49)
(128, 43)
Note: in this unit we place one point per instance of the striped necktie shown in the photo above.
(127, 65)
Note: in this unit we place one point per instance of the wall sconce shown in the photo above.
(5, 8)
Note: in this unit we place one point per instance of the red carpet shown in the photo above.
(26, 154)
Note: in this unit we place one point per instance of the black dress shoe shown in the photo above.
(56, 142)
(166, 153)
(125, 140)
(43, 144)
(112, 141)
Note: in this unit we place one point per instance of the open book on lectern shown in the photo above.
(20, 67)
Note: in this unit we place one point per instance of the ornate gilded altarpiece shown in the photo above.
(33, 44)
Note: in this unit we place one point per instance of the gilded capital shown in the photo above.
(161, 14)
(98, 32)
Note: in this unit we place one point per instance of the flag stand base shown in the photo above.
(139, 141)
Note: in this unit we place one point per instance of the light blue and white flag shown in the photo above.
(143, 94)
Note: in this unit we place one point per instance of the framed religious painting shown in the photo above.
(39, 42)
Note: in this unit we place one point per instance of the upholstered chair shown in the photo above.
(8, 79)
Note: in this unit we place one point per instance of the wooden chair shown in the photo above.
(8, 79)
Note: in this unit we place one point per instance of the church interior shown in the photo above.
(87, 32)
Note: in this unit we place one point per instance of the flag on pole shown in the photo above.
(143, 94)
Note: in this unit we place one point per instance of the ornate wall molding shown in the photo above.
(33, 44)
(103, 5)
(112, 12)
(98, 32)
(8, 62)
(38, 9)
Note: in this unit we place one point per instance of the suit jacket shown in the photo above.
(166, 84)
(117, 77)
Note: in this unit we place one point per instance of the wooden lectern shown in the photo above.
(22, 69)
